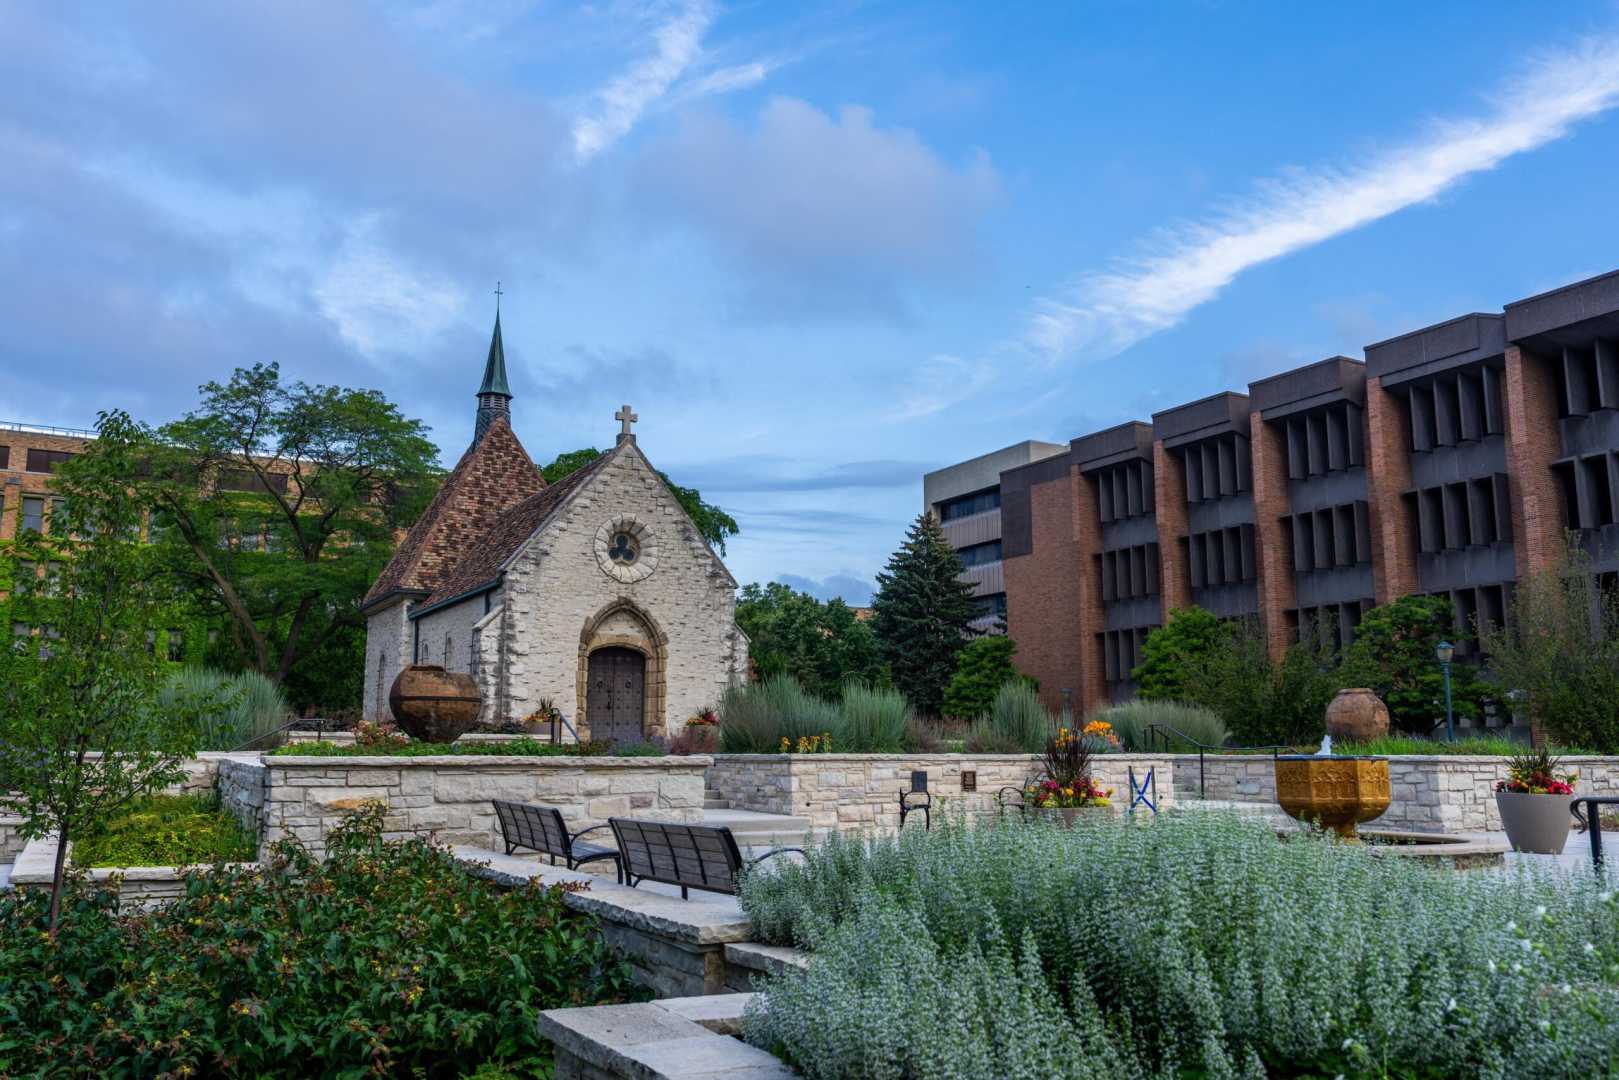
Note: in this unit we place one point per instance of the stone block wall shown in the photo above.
(854, 791)
(304, 798)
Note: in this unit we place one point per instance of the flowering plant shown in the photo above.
(1067, 781)
(546, 712)
(1534, 772)
(1047, 794)
(706, 717)
(379, 735)
(808, 744)
(1101, 732)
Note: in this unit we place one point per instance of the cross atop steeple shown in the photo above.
(626, 417)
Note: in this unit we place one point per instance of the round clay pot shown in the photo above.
(1358, 715)
(434, 705)
(1535, 823)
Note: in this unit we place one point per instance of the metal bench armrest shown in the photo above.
(756, 860)
(574, 836)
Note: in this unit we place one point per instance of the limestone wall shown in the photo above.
(851, 791)
(387, 649)
(1430, 793)
(450, 797)
(138, 887)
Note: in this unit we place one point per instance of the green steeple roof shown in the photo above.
(494, 372)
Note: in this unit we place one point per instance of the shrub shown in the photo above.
(754, 719)
(511, 748)
(1017, 723)
(1172, 652)
(1199, 945)
(696, 739)
(166, 830)
(241, 708)
(875, 720)
(1393, 654)
(388, 958)
(1262, 701)
(983, 666)
(1131, 720)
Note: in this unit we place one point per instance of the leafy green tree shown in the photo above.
(274, 506)
(822, 645)
(1172, 651)
(923, 614)
(983, 666)
(1394, 654)
(1265, 702)
(713, 524)
(80, 735)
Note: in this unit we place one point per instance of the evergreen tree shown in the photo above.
(982, 668)
(923, 614)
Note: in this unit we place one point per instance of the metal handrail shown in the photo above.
(320, 733)
(1591, 821)
(1156, 731)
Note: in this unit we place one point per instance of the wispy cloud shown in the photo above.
(619, 104)
(1104, 313)
(940, 382)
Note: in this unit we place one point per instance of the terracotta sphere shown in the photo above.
(434, 705)
(1357, 714)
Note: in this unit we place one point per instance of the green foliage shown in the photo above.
(241, 707)
(1017, 723)
(166, 830)
(80, 733)
(1172, 651)
(922, 614)
(713, 524)
(520, 747)
(1393, 654)
(755, 718)
(822, 645)
(876, 720)
(1194, 945)
(386, 959)
(1482, 745)
(1262, 701)
(983, 666)
(1561, 653)
(1132, 719)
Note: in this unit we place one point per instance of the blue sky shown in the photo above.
(821, 249)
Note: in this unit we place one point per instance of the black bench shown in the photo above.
(918, 798)
(1591, 820)
(690, 856)
(541, 828)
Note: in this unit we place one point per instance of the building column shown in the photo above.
(1273, 562)
(1044, 593)
(1090, 616)
(1529, 393)
(1388, 478)
(1169, 492)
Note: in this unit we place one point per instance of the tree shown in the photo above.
(983, 666)
(1172, 651)
(80, 733)
(1264, 701)
(1559, 653)
(1394, 654)
(713, 524)
(923, 614)
(822, 645)
(276, 505)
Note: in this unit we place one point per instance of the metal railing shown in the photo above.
(47, 429)
(1591, 821)
(320, 733)
(1157, 731)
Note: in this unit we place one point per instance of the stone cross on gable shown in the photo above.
(626, 416)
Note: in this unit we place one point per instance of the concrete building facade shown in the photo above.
(1450, 460)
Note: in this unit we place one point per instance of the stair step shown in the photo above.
(716, 804)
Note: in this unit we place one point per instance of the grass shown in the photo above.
(167, 830)
(513, 748)
(1131, 720)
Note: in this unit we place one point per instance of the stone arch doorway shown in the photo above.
(630, 647)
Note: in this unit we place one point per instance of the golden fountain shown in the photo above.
(1332, 791)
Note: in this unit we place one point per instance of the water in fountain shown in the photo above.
(1326, 746)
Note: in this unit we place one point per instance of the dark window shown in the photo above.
(979, 554)
(992, 606)
(25, 577)
(177, 645)
(58, 515)
(33, 514)
(46, 460)
(5, 457)
(248, 480)
(976, 503)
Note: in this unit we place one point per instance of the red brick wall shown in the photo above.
(1388, 477)
(1047, 593)
(1169, 482)
(1091, 693)
(1273, 560)
(1529, 392)
(16, 481)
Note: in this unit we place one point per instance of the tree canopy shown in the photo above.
(923, 614)
(983, 666)
(713, 524)
(1173, 651)
(1394, 654)
(821, 644)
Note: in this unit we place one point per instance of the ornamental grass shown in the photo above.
(1194, 945)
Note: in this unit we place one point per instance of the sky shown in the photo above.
(821, 248)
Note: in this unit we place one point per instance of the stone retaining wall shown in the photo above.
(1437, 793)
(138, 887)
(854, 791)
(450, 797)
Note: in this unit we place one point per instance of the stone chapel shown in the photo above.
(596, 592)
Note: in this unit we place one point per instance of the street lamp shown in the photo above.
(1444, 652)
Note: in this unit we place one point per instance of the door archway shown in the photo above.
(622, 627)
(615, 695)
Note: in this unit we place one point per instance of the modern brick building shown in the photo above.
(1449, 461)
(28, 455)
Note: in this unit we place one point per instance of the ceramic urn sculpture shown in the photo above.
(1357, 715)
(431, 704)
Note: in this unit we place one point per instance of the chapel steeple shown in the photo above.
(494, 396)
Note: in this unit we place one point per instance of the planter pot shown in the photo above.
(1067, 815)
(1535, 823)
(435, 705)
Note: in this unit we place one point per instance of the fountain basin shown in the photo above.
(1333, 791)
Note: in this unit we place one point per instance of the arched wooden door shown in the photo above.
(615, 704)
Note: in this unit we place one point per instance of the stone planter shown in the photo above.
(1066, 816)
(1357, 714)
(1535, 823)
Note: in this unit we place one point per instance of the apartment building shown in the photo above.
(1449, 460)
(28, 455)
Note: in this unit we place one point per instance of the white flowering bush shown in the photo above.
(1194, 945)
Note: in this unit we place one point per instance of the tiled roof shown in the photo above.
(481, 559)
(493, 474)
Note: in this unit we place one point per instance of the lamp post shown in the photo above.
(1444, 652)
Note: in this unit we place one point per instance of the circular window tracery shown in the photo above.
(626, 550)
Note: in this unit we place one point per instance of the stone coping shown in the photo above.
(36, 865)
(766, 959)
(674, 1039)
(812, 759)
(1459, 759)
(715, 921)
(473, 761)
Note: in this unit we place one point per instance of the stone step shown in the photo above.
(755, 830)
(716, 804)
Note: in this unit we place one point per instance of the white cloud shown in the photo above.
(620, 103)
(1106, 312)
(939, 383)
(378, 301)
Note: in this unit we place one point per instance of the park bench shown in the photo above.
(541, 829)
(690, 856)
